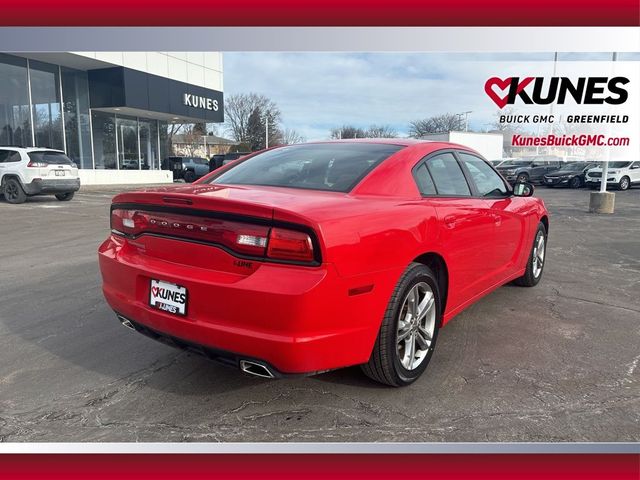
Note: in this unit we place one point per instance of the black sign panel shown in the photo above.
(118, 87)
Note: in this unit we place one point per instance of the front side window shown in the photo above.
(447, 175)
(488, 182)
(335, 167)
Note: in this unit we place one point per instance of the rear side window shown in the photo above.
(52, 158)
(424, 181)
(7, 156)
(447, 175)
(335, 167)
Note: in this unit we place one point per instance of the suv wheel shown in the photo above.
(189, 176)
(522, 177)
(64, 197)
(409, 329)
(624, 183)
(13, 191)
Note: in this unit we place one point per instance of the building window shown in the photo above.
(165, 141)
(104, 140)
(149, 158)
(127, 134)
(77, 127)
(15, 118)
(45, 99)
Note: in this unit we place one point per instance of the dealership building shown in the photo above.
(111, 112)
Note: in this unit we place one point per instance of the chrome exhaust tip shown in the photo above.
(255, 369)
(125, 322)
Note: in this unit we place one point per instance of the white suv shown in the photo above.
(620, 174)
(36, 171)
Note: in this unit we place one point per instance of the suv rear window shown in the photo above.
(336, 167)
(52, 158)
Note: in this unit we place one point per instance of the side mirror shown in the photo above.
(523, 189)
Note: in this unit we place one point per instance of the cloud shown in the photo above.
(319, 91)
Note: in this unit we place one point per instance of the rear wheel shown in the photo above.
(624, 183)
(409, 329)
(13, 191)
(189, 176)
(64, 197)
(535, 265)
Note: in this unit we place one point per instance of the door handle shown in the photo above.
(450, 221)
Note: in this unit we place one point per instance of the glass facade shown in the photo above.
(47, 105)
(15, 115)
(77, 125)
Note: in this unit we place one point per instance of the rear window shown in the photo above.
(52, 158)
(336, 167)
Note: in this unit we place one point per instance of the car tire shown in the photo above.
(536, 262)
(189, 176)
(385, 364)
(624, 183)
(13, 192)
(64, 197)
(522, 177)
(575, 182)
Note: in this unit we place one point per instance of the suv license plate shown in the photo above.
(168, 297)
(59, 173)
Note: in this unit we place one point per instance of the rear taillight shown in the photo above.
(290, 245)
(33, 164)
(242, 238)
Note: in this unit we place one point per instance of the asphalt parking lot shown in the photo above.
(559, 362)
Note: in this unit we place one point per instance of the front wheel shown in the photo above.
(189, 176)
(535, 265)
(409, 329)
(64, 197)
(522, 178)
(575, 182)
(624, 183)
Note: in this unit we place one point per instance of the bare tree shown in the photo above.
(240, 106)
(191, 140)
(444, 123)
(291, 137)
(347, 131)
(507, 129)
(381, 131)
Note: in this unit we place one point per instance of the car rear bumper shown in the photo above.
(296, 320)
(41, 186)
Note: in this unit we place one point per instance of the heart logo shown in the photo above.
(501, 102)
(154, 291)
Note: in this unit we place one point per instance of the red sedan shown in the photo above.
(306, 258)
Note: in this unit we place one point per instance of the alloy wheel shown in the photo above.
(416, 326)
(538, 255)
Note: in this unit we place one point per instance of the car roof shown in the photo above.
(405, 142)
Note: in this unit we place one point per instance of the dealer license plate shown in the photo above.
(168, 297)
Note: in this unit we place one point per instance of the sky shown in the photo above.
(318, 91)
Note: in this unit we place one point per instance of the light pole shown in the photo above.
(466, 119)
(603, 201)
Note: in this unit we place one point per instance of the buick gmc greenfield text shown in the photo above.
(307, 258)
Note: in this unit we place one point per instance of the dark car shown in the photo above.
(529, 169)
(222, 159)
(571, 175)
(187, 168)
